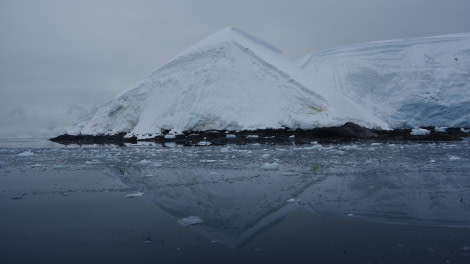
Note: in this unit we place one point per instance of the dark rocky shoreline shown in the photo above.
(348, 132)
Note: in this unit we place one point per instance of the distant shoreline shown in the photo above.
(348, 132)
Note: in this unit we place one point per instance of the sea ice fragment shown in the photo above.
(132, 195)
(270, 166)
(26, 154)
(419, 132)
(190, 220)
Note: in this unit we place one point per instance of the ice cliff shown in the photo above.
(406, 83)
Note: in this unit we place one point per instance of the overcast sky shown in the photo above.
(59, 58)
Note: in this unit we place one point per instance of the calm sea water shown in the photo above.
(341, 203)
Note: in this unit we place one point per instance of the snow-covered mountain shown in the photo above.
(229, 80)
(406, 83)
(233, 81)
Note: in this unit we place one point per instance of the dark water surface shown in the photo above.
(351, 203)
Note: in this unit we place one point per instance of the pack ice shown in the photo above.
(234, 81)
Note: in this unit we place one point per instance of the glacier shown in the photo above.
(408, 83)
(234, 81)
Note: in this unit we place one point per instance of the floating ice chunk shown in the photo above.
(37, 165)
(170, 144)
(203, 143)
(292, 200)
(190, 220)
(314, 147)
(60, 167)
(26, 154)
(289, 173)
(270, 166)
(376, 144)
(252, 136)
(230, 136)
(454, 157)
(148, 240)
(92, 162)
(349, 147)
(419, 132)
(207, 161)
(440, 129)
(132, 195)
(170, 136)
(265, 156)
(227, 149)
(144, 162)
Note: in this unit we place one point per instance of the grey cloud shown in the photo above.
(55, 54)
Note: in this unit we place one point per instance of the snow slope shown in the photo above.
(233, 81)
(229, 80)
(406, 83)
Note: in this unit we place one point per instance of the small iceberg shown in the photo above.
(203, 143)
(270, 166)
(190, 220)
(265, 156)
(60, 167)
(144, 162)
(132, 195)
(230, 136)
(92, 162)
(170, 136)
(419, 132)
(26, 154)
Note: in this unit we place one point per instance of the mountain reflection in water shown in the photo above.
(237, 197)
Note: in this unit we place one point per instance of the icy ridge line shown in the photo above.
(232, 81)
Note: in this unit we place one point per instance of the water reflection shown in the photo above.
(237, 198)
(234, 204)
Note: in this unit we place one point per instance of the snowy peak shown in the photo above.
(234, 35)
(228, 81)
(235, 38)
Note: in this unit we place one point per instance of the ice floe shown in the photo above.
(419, 132)
(132, 195)
(26, 154)
(270, 166)
(190, 220)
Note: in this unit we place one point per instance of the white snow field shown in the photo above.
(406, 83)
(233, 81)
